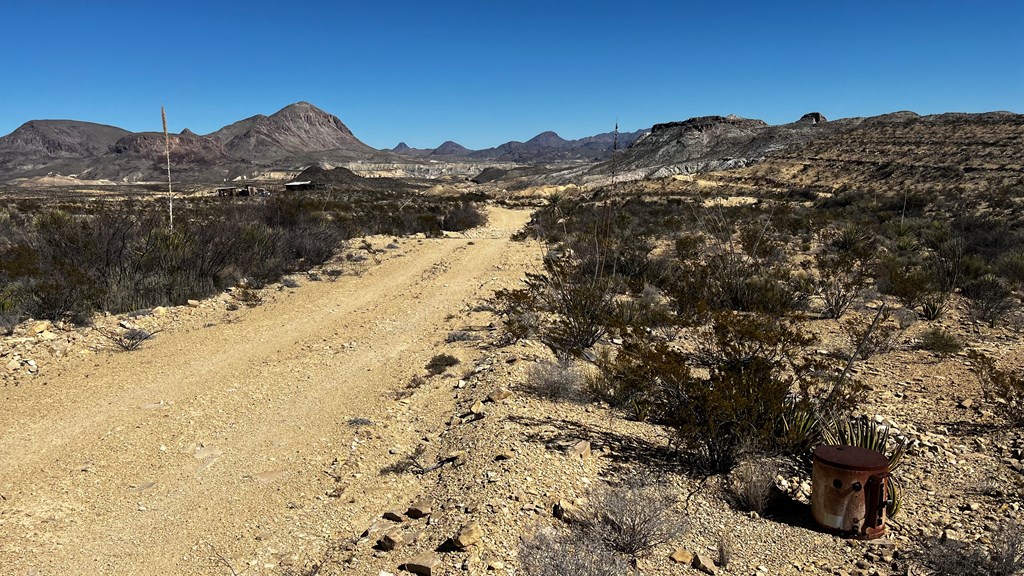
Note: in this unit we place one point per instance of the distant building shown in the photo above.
(299, 185)
(243, 191)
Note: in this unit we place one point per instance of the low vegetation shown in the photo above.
(66, 261)
(617, 525)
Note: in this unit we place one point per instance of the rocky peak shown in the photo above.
(702, 123)
(293, 131)
(547, 139)
(812, 118)
(450, 148)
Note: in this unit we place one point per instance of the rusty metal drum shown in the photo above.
(850, 490)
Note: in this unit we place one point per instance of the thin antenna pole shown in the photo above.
(167, 150)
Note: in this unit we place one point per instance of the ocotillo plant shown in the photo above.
(167, 151)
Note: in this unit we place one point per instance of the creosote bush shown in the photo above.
(441, 362)
(1002, 387)
(749, 386)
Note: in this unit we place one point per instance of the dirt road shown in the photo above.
(213, 442)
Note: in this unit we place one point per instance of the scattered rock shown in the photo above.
(194, 303)
(499, 395)
(390, 540)
(424, 564)
(505, 455)
(419, 509)
(394, 516)
(562, 509)
(967, 404)
(703, 563)
(477, 407)
(682, 556)
(581, 449)
(40, 327)
(470, 534)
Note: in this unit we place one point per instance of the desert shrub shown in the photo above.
(1002, 387)
(558, 380)
(1011, 266)
(941, 342)
(749, 386)
(123, 257)
(1005, 556)
(648, 311)
(731, 281)
(752, 485)
(441, 362)
(461, 336)
(843, 263)
(129, 340)
(989, 299)
(463, 216)
(575, 306)
(632, 518)
(554, 552)
(901, 278)
(518, 310)
(876, 336)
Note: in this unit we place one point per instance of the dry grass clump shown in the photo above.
(618, 524)
(632, 518)
(941, 342)
(557, 380)
(553, 552)
(1004, 557)
(752, 485)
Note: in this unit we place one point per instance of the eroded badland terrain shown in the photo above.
(611, 355)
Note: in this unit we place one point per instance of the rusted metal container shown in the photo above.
(850, 490)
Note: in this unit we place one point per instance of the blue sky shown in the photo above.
(484, 72)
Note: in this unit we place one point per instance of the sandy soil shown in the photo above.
(213, 442)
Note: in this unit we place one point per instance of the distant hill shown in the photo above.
(298, 131)
(349, 181)
(544, 147)
(38, 143)
(294, 137)
(900, 149)
(450, 148)
(901, 152)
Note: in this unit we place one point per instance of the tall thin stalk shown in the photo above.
(167, 151)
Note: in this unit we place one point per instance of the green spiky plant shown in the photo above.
(865, 433)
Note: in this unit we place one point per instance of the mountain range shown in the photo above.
(301, 135)
(297, 136)
(544, 147)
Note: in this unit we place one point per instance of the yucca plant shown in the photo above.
(865, 433)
